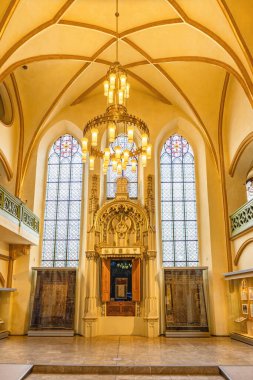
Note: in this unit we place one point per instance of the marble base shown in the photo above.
(14, 371)
(4, 334)
(187, 334)
(242, 338)
(90, 327)
(60, 333)
(118, 326)
(237, 372)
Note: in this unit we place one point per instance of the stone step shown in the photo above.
(120, 370)
(14, 371)
(121, 377)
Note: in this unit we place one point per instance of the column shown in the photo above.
(151, 302)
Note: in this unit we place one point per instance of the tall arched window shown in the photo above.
(178, 204)
(132, 177)
(63, 204)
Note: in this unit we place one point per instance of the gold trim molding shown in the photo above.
(241, 249)
(246, 141)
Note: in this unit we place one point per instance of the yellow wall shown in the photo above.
(163, 120)
(4, 250)
(9, 142)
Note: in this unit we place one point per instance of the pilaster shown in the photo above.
(151, 301)
(91, 299)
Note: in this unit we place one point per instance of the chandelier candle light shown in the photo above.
(116, 121)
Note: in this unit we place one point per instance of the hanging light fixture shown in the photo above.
(116, 121)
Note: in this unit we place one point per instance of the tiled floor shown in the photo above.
(125, 351)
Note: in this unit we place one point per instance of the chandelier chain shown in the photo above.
(117, 30)
(116, 122)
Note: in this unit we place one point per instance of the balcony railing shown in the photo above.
(242, 219)
(17, 210)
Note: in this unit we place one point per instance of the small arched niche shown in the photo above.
(6, 109)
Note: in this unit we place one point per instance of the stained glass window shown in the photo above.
(132, 177)
(249, 189)
(63, 204)
(178, 204)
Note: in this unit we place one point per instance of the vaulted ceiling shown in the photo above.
(178, 51)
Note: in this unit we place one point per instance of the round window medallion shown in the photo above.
(6, 110)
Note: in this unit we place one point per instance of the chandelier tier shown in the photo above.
(115, 122)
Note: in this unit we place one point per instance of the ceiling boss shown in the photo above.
(115, 122)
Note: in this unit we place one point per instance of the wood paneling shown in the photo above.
(106, 263)
(125, 308)
(136, 280)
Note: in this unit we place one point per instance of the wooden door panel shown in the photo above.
(106, 285)
(136, 280)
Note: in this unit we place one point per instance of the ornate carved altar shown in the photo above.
(120, 262)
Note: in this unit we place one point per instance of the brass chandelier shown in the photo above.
(116, 122)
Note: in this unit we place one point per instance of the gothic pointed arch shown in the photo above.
(178, 203)
(61, 237)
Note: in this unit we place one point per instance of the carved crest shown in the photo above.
(121, 225)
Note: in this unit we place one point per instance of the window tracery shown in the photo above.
(178, 203)
(63, 204)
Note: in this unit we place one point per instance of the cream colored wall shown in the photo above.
(238, 119)
(237, 126)
(210, 220)
(243, 250)
(163, 120)
(246, 254)
(34, 190)
(4, 250)
(21, 298)
(9, 142)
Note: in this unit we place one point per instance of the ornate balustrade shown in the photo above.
(242, 219)
(16, 209)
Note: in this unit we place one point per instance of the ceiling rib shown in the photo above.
(35, 31)
(151, 88)
(208, 60)
(162, 22)
(160, 96)
(75, 57)
(6, 166)
(124, 33)
(149, 25)
(7, 16)
(21, 134)
(150, 60)
(169, 79)
(211, 61)
(56, 19)
(87, 26)
(50, 109)
(48, 57)
(228, 14)
(217, 39)
(194, 111)
(223, 173)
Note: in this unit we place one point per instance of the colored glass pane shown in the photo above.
(178, 203)
(63, 204)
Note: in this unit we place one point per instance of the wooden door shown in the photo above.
(136, 280)
(106, 283)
